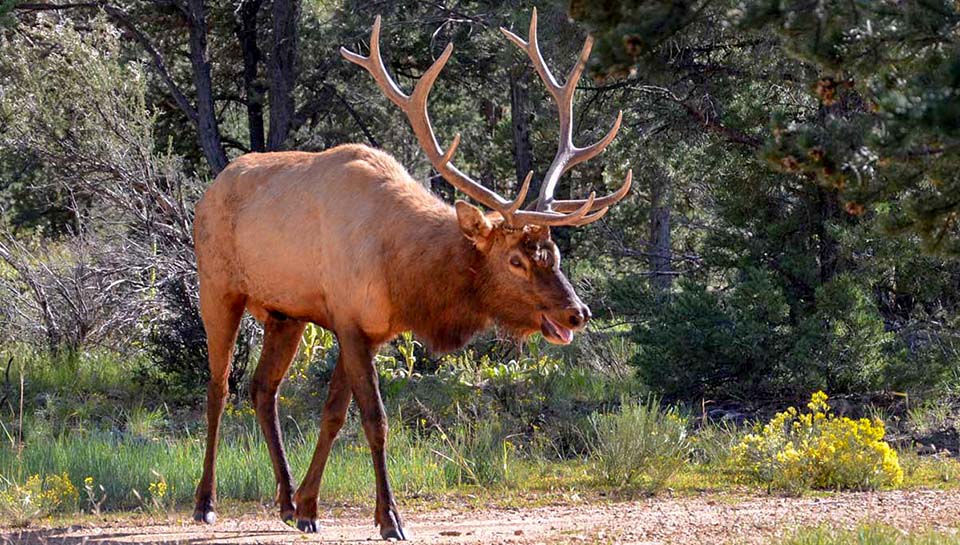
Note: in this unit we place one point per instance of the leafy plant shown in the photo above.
(798, 450)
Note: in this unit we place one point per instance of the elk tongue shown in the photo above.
(555, 332)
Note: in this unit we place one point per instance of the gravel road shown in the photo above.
(705, 520)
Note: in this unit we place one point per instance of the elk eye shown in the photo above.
(515, 262)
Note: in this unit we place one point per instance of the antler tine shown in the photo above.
(415, 108)
(568, 155)
(603, 202)
(532, 48)
(374, 64)
(554, 219)
(518, 202)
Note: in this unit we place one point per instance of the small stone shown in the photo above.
(452, 533)
(518, 532)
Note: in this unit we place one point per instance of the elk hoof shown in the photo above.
(308, 526)
(206, 517)
(393, 534)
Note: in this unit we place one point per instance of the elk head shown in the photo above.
(518, 261)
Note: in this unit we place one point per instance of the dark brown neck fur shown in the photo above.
(437, 285)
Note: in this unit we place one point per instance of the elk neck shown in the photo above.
(438, 289)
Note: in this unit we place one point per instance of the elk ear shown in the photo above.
(473, 223)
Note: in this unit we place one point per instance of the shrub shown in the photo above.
(706, 342)
(38, 498)
(753, 340)
(640, 445)
(800, 450)
(843, 345)
(477, 453)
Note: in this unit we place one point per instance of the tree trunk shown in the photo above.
(520, 118)
(661, 266)
(283, 71)
(253, 91)
(829, 249)
(209, 131)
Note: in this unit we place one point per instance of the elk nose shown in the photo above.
(579, 315)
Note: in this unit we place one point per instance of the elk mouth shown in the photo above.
(554, 332)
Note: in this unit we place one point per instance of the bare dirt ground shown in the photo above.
(705, 520)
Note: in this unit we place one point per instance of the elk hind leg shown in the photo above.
(334, 415)
(221, 315)
(281, 339)
(364, 382)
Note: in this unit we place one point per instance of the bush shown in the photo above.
(478, 453)
(641, 445)
(704, 342)
(748, 341)
(38, 498)
(843, 345)
(797, 450)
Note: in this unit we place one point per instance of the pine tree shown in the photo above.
(881, 77)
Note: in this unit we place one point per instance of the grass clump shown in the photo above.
(797, 451)
(643, 444)
(868, 534)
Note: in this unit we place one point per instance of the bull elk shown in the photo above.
(347, 240)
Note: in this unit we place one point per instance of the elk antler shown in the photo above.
(568, 155)
(415, 108)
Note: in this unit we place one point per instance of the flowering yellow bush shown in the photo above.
(816, 449)
(38, 498)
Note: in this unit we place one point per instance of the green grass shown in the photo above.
(424, 468)
(869, 534)
(122, 464)
(94, 371)
(420, 464)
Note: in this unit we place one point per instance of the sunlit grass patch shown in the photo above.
(937, 471)
(869, 534)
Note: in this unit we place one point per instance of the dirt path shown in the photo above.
(652, 521)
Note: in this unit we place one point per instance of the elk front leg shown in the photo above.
(334, 415)
(221, 320)
(362, 376)
(281, 338)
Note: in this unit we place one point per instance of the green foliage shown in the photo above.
(703, 340)
(643, 444)
(881, 78)
(798, 450)
(745, 340)
(843, 343)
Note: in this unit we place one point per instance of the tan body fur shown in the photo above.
(328, 214)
